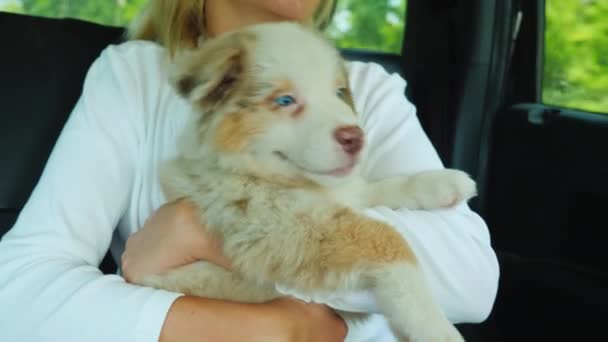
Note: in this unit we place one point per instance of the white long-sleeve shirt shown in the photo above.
(101, 183)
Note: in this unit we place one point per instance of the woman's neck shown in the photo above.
(223, 16)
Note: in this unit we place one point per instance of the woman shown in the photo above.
(102, 175)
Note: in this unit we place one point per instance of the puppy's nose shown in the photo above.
(351, 138)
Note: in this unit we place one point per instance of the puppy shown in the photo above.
(271, 158)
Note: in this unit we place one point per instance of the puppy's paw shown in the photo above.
(442, 188)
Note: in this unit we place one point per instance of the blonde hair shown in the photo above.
(179, 24)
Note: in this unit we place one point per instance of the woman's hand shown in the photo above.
(172, 236)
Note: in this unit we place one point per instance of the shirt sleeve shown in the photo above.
(50, 286)
(452, 245)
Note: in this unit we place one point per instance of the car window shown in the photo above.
(575, 73)
(363, 24)
(373, 25)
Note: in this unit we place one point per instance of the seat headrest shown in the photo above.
(42, 68)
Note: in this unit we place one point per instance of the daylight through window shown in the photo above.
(576, 54)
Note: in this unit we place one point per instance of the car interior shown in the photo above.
(474, 72)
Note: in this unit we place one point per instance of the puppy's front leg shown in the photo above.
(423, 190)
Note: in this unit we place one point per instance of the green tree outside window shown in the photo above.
(576, 54)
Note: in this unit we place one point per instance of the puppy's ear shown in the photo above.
(211, 73)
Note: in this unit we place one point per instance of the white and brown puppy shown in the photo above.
(271, 158)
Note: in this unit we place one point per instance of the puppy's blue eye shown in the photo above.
(341, 93)
(285, 100)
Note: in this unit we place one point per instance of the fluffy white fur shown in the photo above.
(280, 190)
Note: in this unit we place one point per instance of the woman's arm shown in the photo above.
(192, 318)
(50, 286)
(281, 320)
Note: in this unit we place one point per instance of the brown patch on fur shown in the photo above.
(349, 241)
(366, 239)
(243, 103)
(187, 84)
(344, 84)
(235, 131)
(216, 70)
(348, 98)
(222, 89)
(242, 204)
